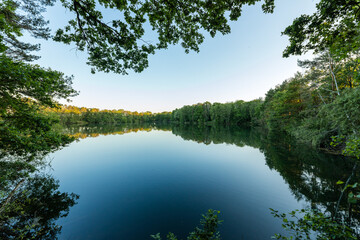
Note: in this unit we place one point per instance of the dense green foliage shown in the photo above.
(333, 27)
(74, 115)
(26, 88)
(222, 114)
(29, 203)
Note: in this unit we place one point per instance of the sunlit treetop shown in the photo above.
(120, 45)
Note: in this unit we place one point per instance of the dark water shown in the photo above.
(134, 182)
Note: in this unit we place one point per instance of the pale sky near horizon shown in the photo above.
(242, 65)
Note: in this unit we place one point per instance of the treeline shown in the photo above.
(81, 115)
(239, 112)
(313, 106)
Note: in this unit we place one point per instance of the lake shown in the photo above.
(134, 181)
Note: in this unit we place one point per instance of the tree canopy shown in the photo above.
(120, 44)
(17, 17)
(333, 27)
(27, 88)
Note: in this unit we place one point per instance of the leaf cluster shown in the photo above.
(334, 27)
(25, 89)
(311, 224)
(119, 45)
(17, 17)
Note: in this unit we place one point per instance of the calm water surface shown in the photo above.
(137, 182)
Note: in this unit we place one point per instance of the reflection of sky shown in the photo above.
(142, 183)
(242, 65)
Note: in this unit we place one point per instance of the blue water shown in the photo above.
(141, 183)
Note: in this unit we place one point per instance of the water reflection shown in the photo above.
(310, 174)
(81, 132)
(30, 201)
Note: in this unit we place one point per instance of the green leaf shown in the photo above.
(339, 182)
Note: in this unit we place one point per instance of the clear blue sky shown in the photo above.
(242, 65)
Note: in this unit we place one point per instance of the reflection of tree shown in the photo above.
(30, 209)
(310, 174)
(209, 134)
(104, 130)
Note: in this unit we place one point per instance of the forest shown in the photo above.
(313, 106)
(319, 106)
(80, 115)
